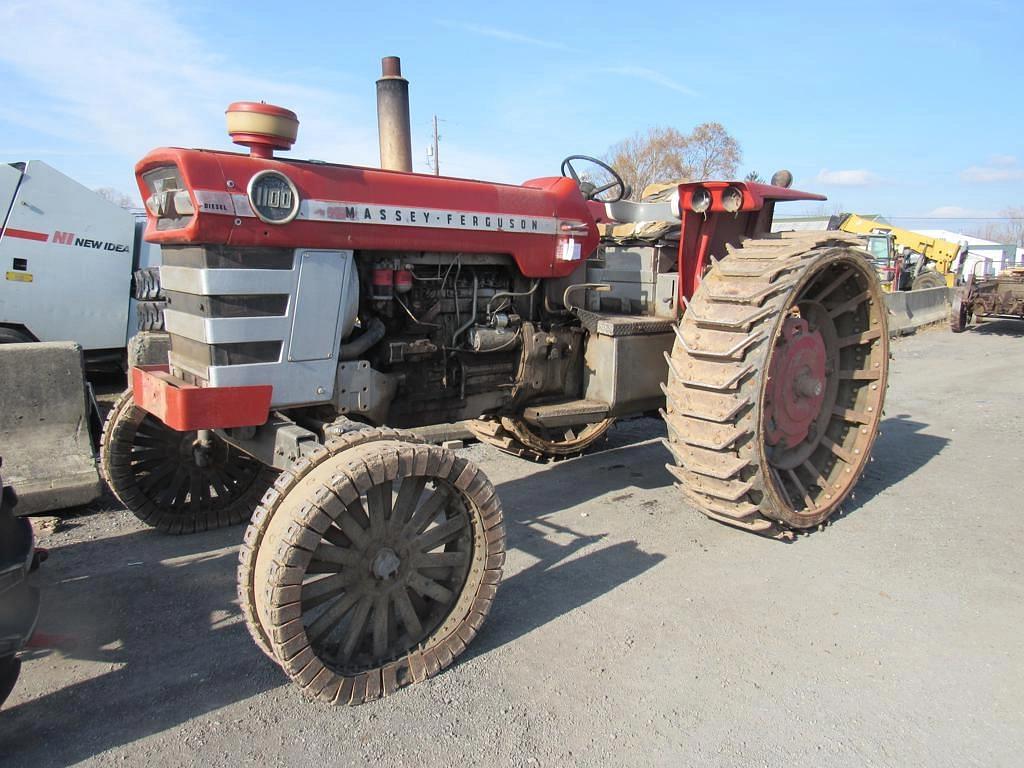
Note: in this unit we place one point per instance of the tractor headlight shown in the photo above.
(700, 200)
(168, 201)
(732, 199)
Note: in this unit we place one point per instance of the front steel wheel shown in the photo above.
(297, 474)
(777, 380)
(377, 568)
(170, 481)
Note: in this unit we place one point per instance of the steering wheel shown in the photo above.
(591, 191)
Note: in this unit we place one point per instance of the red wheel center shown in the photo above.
(796, 384)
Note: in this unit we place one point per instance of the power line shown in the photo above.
(957, 218)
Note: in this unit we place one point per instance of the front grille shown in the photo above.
(223, 257)
(198, 356)
(195, 311)
(239, 305)
(241, 317)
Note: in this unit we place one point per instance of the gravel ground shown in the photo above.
(629, 630)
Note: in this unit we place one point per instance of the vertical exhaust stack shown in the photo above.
(393, 117)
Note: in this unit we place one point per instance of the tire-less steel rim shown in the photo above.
(557, 441)
(376, 568)
(172, 470)
(386, 575)
(826, 380)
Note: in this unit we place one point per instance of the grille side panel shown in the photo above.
(232, 319)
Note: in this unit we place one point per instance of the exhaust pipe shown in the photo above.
(393, 117)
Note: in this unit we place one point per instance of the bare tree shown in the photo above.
(1009, 231)
(657, 155)
(712, 152)
(666, 154)
(116, 197)
(754, 178)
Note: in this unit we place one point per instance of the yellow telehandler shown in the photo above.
(905, 260)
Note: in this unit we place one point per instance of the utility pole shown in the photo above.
(437, 164)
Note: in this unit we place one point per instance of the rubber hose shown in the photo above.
(374, 332)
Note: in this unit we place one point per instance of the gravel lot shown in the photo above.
(629, 630)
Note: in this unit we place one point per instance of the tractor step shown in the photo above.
(607, 324)
(566, 414)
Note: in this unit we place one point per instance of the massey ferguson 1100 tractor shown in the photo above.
(316, 311)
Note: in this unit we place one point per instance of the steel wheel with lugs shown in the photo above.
(169, 480)
(518, 437)
(377, 568)
(298, 474)
(777, 380)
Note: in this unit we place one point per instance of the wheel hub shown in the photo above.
(385, 564)
(796, 384)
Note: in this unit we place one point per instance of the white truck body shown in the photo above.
(66, 261)
(66, 257)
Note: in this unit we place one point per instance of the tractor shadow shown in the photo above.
(901, 450)
(572, 568)
(150, 622)
(998, 327)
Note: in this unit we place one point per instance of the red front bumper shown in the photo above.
(185, 407)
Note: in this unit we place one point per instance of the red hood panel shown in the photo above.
(348, 207)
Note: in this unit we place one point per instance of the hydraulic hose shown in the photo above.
(354, 349)
(472, 312)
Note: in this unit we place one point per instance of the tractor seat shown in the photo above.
(632, 212)
(652, 219)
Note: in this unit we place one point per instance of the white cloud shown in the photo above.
(848, 178)
(504, 34)
(1003, 160)
(959, 212)
(642, 73)
(652, 76)
(995, 172)
(122, 93)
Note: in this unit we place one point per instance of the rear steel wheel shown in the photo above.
(777, 380)
(520, 438)
(171, 482)
(378, 568)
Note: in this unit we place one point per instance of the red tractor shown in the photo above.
(317, 311)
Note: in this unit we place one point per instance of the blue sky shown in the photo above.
(904, 109)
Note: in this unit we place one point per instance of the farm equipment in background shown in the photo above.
(905, 260)
(999, 296)
(316, 312)
(79, 283)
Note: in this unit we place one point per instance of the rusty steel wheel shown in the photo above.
(777, 380)
(377, 568)
(169, 481)
(520, 438)
(288, 480)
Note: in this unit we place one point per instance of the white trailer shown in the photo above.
(67, 256)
